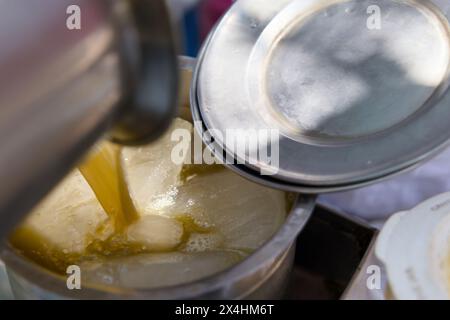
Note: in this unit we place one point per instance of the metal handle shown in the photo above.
(152, 71)
(61, 89)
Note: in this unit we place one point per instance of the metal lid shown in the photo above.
(358, 91)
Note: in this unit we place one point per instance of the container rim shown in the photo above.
(217, 286)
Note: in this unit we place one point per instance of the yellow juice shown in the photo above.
(104, 172)
(132, 217)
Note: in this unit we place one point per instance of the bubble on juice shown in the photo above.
(199, 242)
(164, 200)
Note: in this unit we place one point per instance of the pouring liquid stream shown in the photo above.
(104, 173)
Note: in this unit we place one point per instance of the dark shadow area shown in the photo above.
(329, 251)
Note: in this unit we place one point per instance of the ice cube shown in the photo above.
(157, 270)
(62, 224)
(156, 233)
(150, 171)
(245, 213)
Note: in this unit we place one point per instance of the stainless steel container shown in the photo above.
(353, 103)
(263, 275)
(62, 89)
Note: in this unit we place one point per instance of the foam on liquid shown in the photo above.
(111, 220)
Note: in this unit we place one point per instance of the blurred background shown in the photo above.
(195, 18)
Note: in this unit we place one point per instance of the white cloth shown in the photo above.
(379, 201)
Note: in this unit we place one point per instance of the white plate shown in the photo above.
(414, 247)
